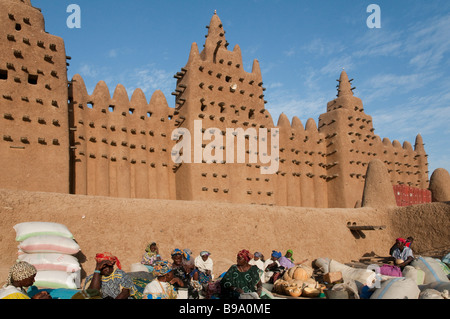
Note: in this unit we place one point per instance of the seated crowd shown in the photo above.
(182, 277)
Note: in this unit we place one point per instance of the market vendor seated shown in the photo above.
(402, 254)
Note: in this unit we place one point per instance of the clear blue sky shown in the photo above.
(401, 70)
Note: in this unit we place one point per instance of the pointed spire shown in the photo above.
(193, 54)
(345, 86)
(378, 191)
(419, 146)
(216, 32)
(237, 54)
(256, 68)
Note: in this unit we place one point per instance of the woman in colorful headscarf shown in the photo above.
(21, 276)
(113, 283)
(241, 279)
(205, 265)
(162, 287)
(257, 260)
(288, 262)
(272, 267)
(179, 268)
(151, 254)
(289, 255)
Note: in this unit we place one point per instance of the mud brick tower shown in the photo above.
(213, 87)
(56, 137)
(34, 145)
(352, 144)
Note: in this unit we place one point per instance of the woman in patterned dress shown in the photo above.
(21, 275)
(241, 279)
(162, 287)
(113, 283)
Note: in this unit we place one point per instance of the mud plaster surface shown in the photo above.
(125, 226)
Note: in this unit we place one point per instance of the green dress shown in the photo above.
(246, 281)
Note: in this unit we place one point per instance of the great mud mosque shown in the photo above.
(56, 137)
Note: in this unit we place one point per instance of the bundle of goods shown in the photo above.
(434, 269)
(436, 274)
(387, 282)
(414, 273)
(50, 247)
(297, 281)
(397, 288)
(362, 277)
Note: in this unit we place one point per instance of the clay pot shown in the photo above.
(301, 272)
(295, 292)
(311, 283)
(279, 286)
(311, 292)
(296, 282)
(286, 276)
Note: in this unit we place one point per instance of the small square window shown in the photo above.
(32, 79)
(3, 74)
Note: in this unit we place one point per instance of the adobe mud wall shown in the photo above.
(55, 137)
(34, 144)
(319, 165)
(126, 226)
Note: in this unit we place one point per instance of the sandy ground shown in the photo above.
(125, 226)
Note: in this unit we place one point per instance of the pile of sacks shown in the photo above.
(424, 278)
(298, 281)
(50, 247)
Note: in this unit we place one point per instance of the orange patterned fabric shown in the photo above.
(108, 256)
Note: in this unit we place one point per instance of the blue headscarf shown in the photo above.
(184, 253)
(276, 254)
(160, 268)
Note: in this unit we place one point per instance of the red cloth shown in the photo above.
(108, 256)
(245, 254)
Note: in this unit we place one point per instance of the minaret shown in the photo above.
(345, 86)
(33, 103)
(214, 87)
(349, 139)
(421, 168)
(352, 145)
